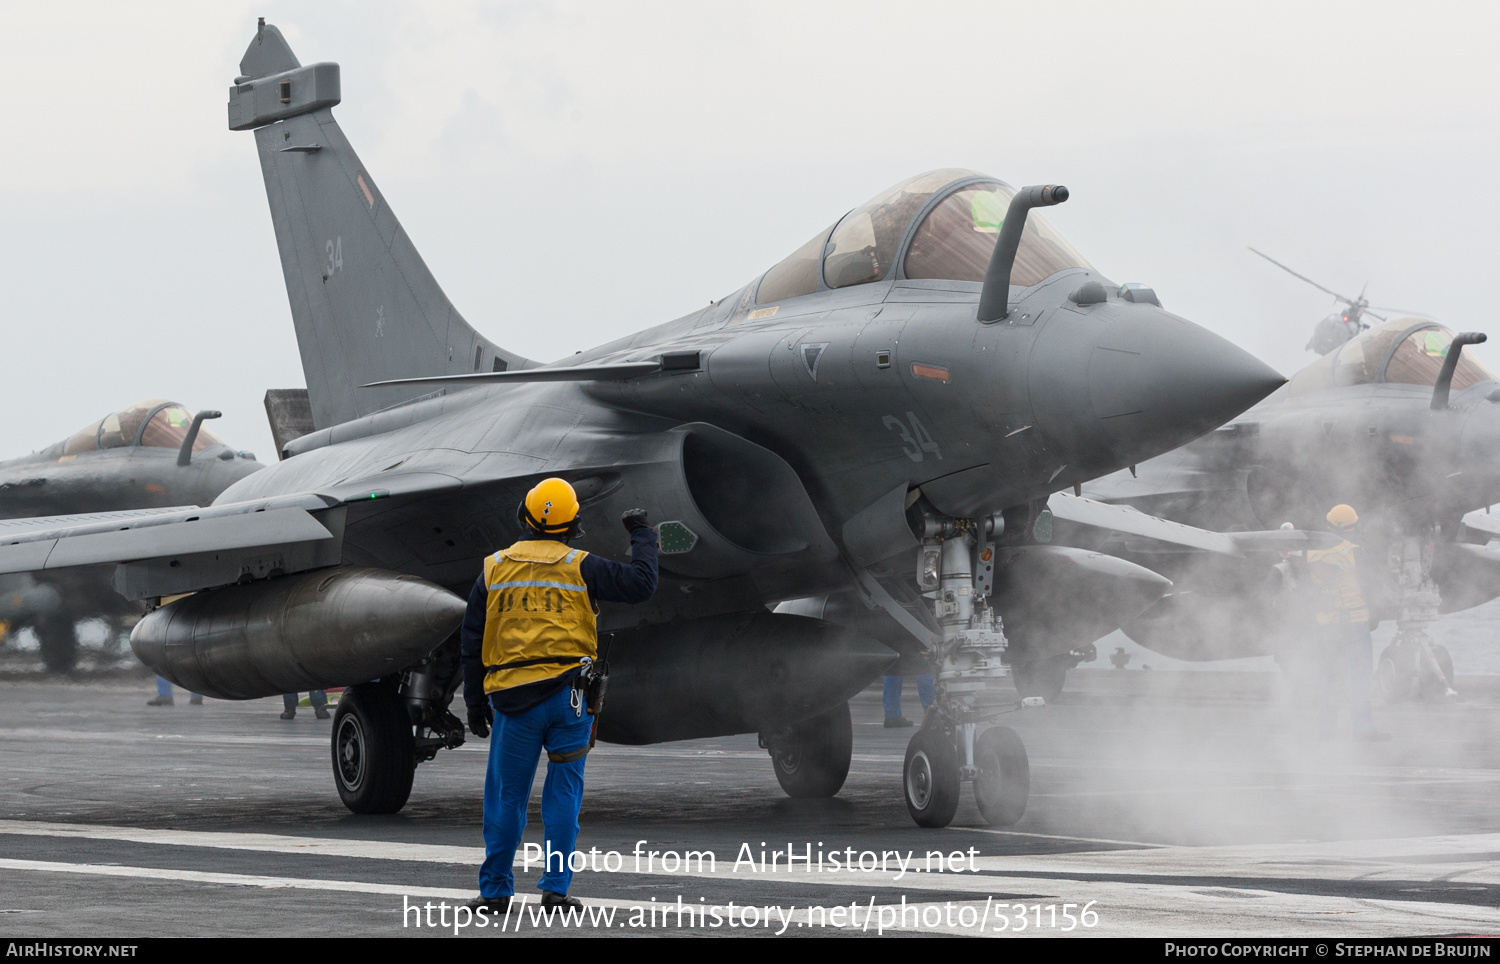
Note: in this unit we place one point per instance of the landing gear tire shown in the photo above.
(374, 755)
(59, 644)
(814, 761)
(1396, 673)
(1041, 677)
(930, 777)
(1003, 784)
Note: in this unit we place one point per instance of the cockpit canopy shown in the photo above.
(939, 225)
(154, 423)
(1403, 351)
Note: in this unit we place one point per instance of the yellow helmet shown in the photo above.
(1342, 516)
(551, 508)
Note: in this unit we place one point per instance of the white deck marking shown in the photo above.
(245, 880)
(1052, 836)
(262, 842)
(1179, 903)
(38, 735)
(1123, 909)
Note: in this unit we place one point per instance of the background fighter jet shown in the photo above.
(150, 456)
(884, 414)
(1401, 424)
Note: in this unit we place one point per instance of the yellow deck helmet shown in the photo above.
(551, 508)
(1342, 516)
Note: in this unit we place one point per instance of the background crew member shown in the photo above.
(1343, 616)
(317, 699)
(164, 694)
(890, 698)
(530, 627)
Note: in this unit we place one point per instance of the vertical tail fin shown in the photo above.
(364, 304)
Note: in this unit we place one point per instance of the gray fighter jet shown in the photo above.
(880, 417)
(150, 456)
(1397, 422)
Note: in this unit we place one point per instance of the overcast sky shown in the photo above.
(574, 172)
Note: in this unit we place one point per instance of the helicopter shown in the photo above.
(1339, 327)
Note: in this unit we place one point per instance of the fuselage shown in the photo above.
(858, 390)
(131, 478)
(125, 461)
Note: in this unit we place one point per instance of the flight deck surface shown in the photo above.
(1169, 803)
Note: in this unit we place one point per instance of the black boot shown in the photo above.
(495, 906)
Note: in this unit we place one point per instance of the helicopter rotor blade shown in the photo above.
(1346, 300)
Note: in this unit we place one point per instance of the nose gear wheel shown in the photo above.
(1003, 784)
(930, 776)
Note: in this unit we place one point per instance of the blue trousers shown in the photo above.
(891, 693)
(515, 743)
(164, 687)
(1347, 655)
(314, 697)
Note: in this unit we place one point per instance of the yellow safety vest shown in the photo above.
(538, 619)
(1342, 599)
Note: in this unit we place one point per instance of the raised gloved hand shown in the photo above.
(634, 519)
(480, 718)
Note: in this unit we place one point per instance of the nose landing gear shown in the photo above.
(969, 671)
(1413, 666)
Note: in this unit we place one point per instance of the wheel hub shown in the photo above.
(351, 753)
(919, 781)
(788, 759)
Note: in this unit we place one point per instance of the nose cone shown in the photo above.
(1156, 381)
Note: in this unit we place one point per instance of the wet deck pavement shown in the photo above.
(1166, 803)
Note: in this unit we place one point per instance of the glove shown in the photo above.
(480, 718)
(634, 519)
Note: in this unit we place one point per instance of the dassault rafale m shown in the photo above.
(884, 413)
(150, 456)
(1398, 422)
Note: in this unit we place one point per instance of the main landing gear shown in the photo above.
(950, 749)
(374, 758)
(812, 758)
(384, 728)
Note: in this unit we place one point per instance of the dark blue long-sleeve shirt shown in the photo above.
(606, 580)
